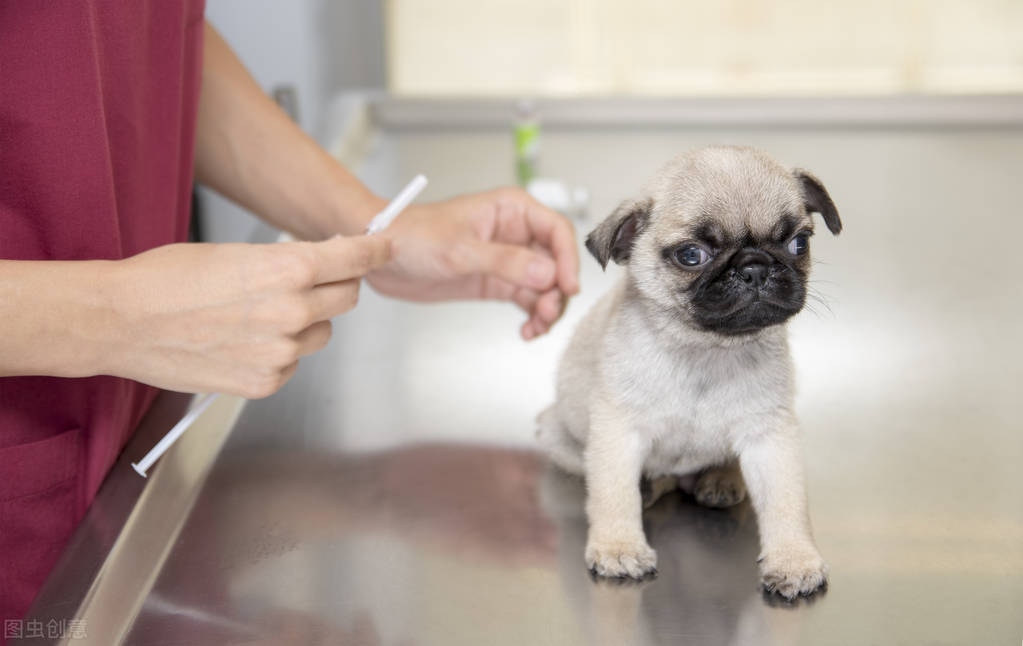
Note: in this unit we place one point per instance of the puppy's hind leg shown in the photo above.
(562, 449)
(720, 486)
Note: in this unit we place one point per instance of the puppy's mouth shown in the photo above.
(751, 316)
(754, 299)
(730, 307)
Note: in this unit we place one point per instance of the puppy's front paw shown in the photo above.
(615, 558)
(793, 571)
(720, 487)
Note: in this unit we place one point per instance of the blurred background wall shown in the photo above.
(694, 47)
(317, 48)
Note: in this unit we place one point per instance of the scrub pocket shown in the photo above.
(38, 509)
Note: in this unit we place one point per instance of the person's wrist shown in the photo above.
(352, 207)
(99, 332)
(365, 210)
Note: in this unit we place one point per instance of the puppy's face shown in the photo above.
(720, 239)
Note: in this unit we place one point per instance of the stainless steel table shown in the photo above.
(391, 494)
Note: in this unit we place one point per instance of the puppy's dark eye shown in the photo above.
(799, 244)
(691, 255)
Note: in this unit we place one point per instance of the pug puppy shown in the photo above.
(683, 370)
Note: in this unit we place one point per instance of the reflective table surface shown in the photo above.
(391, 494)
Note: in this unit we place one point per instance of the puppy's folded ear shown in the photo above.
(817, 200)
(612, 239)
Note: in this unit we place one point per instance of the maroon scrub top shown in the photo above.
(98, 102)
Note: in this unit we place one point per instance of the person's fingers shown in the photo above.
(535, 327)
(549, 307)
(525, 298)
(314, 338)
(554, 231)
(512, 263)
(527, 330)
(546, 311)
(496, 289)
(342, 258)
(331, 299)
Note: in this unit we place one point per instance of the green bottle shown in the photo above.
(527, 142)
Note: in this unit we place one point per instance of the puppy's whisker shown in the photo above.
(812, 285)
(816, 304)
(810, 308)
(820, 299)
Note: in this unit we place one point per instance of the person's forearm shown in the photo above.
(55, 318)
(251, 152)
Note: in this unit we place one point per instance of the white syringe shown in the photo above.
(383, 219)
(379, 222)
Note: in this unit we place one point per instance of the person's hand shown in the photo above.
(231, 318)
(501, 244)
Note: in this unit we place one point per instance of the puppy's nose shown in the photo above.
(754, 274)
(752, 266)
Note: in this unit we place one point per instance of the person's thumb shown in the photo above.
(341, 258)
(516, 264)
